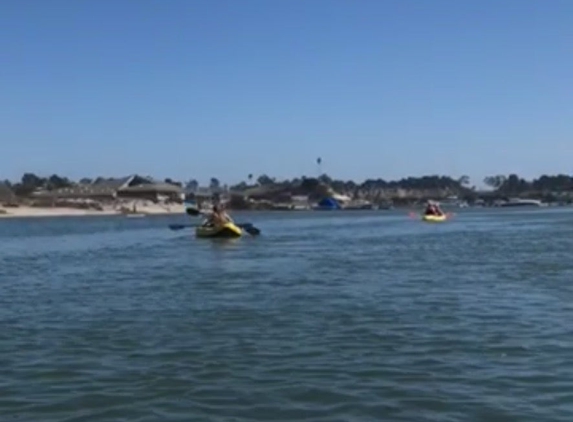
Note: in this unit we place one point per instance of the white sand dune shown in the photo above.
(146, 208)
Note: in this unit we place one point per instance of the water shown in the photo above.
(325, 317)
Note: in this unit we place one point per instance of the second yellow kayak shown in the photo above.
(226, 230)
(434, 218)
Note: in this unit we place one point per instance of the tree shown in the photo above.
(55, 182)
(325, 179)
(192, 185)
(239, 187)
(265, 180)
(30, 180)
(495, 182)
(309, 185)
(170, 181)
(464, 180)
(214, 184)
(513, 185)
(85, 181)
(28, 184)
(545, 183)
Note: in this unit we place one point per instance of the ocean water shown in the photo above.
(332, 316)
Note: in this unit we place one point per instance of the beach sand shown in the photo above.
(140, 209)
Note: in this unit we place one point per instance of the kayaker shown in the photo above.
(433, 209)
(218, 217)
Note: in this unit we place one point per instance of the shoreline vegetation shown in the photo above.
(137, 196)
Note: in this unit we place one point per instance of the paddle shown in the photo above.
(193, 212)
(248, 227)
(180, 226)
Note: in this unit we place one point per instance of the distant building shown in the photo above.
(135, 187)
(265, 192)
(145, 188)
(202, 193)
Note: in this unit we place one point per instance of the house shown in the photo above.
(202, 193)
(134, 187)
(300, 202)
(204, 197)
(138, 187)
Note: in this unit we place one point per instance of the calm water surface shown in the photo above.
(325, 317)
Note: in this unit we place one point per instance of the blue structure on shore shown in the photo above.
(328, 204)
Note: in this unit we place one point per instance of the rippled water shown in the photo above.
(325, 317)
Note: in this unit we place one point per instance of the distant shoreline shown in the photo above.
(42, 212)
(158, 210)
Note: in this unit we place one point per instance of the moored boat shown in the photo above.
(516, 202)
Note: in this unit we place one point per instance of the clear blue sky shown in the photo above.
(194, 89)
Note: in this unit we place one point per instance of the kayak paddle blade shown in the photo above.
(249, 228)
(179, 226)
(193, 212)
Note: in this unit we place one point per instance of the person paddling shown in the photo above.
(218, 217)
(433, 209)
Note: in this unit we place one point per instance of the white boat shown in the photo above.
(453, 201)
(516, 202)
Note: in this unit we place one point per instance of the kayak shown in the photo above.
(226, 230)
(434, 218)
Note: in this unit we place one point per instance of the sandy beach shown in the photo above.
(141, 208)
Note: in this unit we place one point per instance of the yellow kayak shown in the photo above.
(226, 230)
(434, 218)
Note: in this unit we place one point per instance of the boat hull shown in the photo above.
(434, 218)
(228, 230)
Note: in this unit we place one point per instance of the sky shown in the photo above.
(194, 89)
